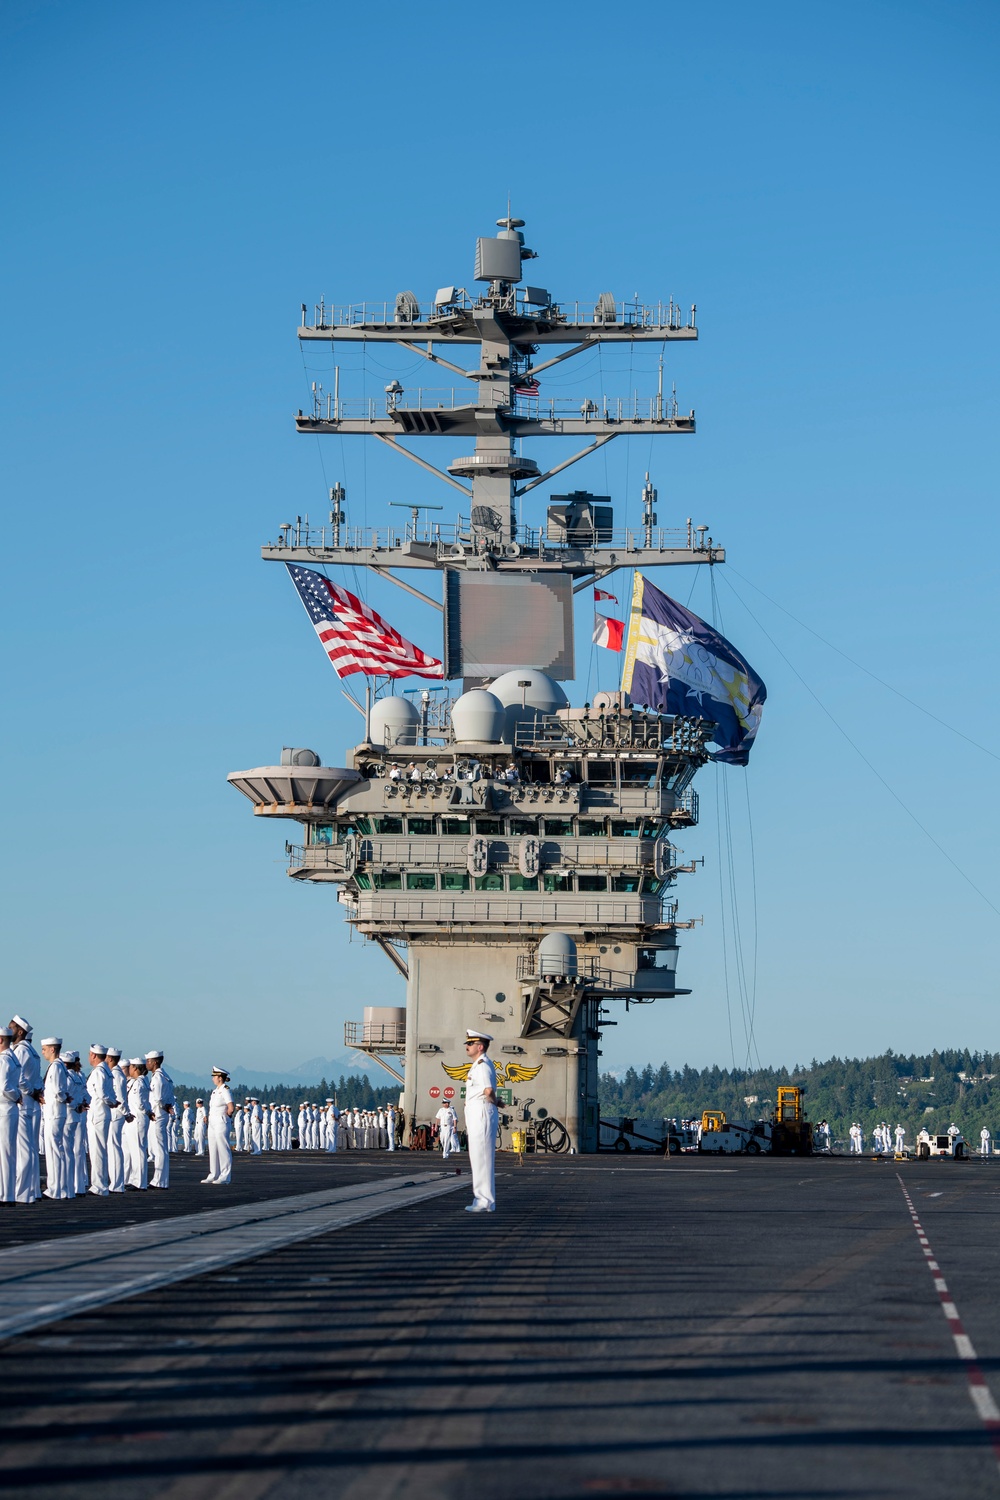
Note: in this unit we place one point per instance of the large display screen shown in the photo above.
(494, 622)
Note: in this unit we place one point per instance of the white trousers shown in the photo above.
(57, 1152)
(76, 1142)
(98, 1126)
(481, 1127)
(29, 1178)
(159, 1134)
(199, 1139)
(136, 1165)
(116, 1151)
(220, 1155)
(8, 1150)
(987, 1146)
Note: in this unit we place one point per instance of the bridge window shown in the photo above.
(526, 827)
(491, 882)
(423, 826)
(454, 880)
(559, 827)
(321, 835)
(389, 825)
(455, 826)
(421, 880)
(523, 882)
(591, 828)
(624, 828)
(388, 880)
(493, 826)
(628, 883)
(591, 882)
(557, 882)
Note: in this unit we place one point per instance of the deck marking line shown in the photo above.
(979, 1392)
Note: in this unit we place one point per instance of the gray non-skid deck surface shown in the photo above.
(736, 1328)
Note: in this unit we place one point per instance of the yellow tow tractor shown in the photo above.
(727, 1137)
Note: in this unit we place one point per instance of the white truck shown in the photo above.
(951, 1143)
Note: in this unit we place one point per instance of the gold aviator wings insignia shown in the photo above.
(459, 1074)
(518, 1073)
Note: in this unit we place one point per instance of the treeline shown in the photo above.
(913, 1090)
(350, 1092)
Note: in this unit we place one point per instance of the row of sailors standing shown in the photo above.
(470, 770)
(115, 1119)
(888, 1142)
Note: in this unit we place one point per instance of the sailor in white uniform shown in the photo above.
(102, 1099)
(481, 1122)
(29, 1120)
(137, 1126)
(10, 1109)
(220, 1112)
(256, 1122)
(900, 1135)
(186, 1128)
(447, 1125)
(56, 1098)
(985, 1143)
(161, 1102)
(390, 1126)
(200, 1127)
(116, 1134)
(76, 1122)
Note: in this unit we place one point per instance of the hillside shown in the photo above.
(931, 1090)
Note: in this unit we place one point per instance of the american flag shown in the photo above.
(354, 637)
(526, 387)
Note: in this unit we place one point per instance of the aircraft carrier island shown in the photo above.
(510, 852)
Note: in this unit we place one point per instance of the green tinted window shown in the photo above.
(492, 826)
(389, 825)
(591, 828)
(591, 882)
(523, 882)
(363, 825)
(526, 827)
(454, 880)
(364, 882)
(624, 828)
(455, 826)
(423, 826)
(491, 882)
(388, 880)
(421, 881)
(557, 882)
(322, 835)
(628, 883)
(559, 827)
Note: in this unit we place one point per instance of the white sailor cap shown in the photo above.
(478, 1036)
(47, 1041)
(153, 1056)
(69, 1056)
(5, 1031)
(136, 1062)
(20, 1021)
(98, 1049)
(114, 1052)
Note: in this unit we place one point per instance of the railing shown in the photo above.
(444, 538)
(405, 852)
(686, 807)
(508, 910)
(629, 313)
(655, 977)
(630, 730)
(329, 407)
(372, 1034)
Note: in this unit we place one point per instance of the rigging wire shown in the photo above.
(867, 670)
(862, 756)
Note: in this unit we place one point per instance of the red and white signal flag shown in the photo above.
(600, 594)
(609, 633)
(354, 637)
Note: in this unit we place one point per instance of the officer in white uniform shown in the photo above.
(481, 1122)
(10, 1110)
(56, 1097)
(220, 1112)
(29, 1120)
(161, 1102)
(985, 1143)
(447, 1123)
(116, 1135)
(137, 1126)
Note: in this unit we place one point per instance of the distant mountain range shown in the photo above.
(311, 1072)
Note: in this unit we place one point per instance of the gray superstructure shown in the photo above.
(509, 852)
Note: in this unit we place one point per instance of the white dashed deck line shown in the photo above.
(54, 1279)
(979, 1392)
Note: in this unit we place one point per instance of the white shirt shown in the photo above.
(31, 1068)
(218, 1102)
(10, 1079)
(56, 1083)
(161, 1092)
(100, 1086)
(446, 1117)
(482, 1076)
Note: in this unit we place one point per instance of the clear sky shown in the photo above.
(820, 179)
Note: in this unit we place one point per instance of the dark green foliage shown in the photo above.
(350, 1093)
(910, 1090)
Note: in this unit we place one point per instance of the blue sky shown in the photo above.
(820, 179)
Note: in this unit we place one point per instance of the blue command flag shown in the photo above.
(678, 664)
